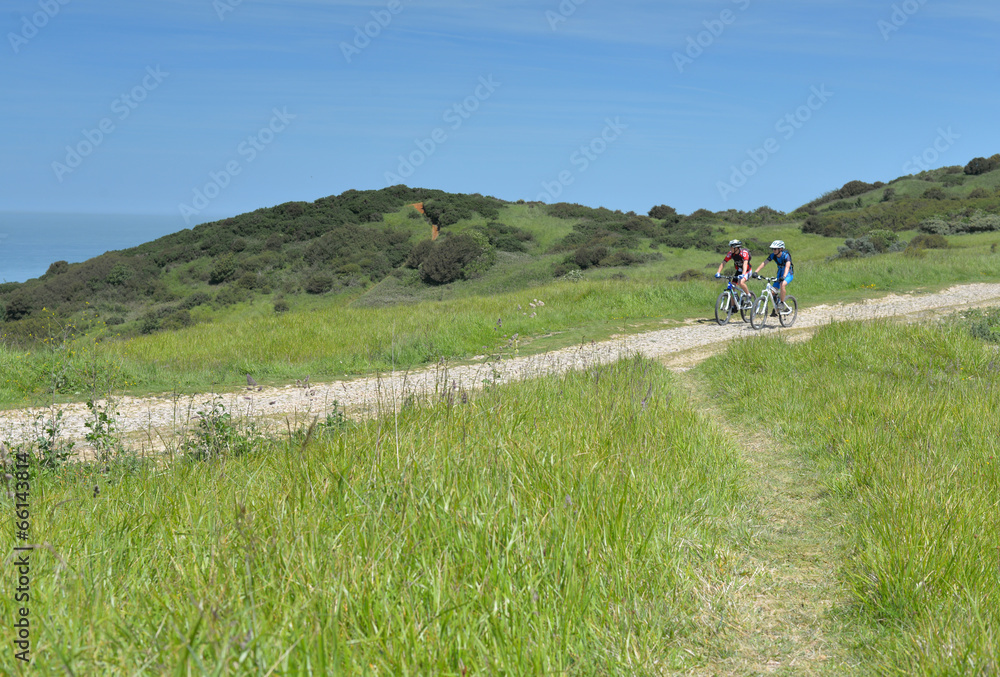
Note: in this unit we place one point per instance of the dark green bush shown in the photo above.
(665, 213)
(419, 253)
(225, 269)
(585, 257)
(929, 241)
(57, 267)
(981, 165)
(176, 320)
(196, 299)
(230, 295)
(319, 283)
(449, 257)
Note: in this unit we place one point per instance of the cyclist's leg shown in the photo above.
(742, 284)
(784, 286)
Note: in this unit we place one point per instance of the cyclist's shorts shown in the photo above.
(788, 280)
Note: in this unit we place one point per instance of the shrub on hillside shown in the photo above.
(981, 165)
(17, 308)
(700, 215)
(230, 295)
(689, 274)
(196, 299)
(849, 189)
(177, 320)
(929, 241)
(56, 268)
(975, 222)
(665, 213)
(506, 238)
(875, 242)
(935, 193)
(455, 258)
(225, 269)
(319, 283)
(585, 257)
(568, 210)
(419, 253)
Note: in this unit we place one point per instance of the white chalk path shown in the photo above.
(152, 424)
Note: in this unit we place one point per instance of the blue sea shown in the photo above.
(29, 242)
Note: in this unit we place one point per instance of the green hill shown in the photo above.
(375, 248)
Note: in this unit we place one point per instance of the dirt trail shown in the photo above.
(152, 423)
(779, 619)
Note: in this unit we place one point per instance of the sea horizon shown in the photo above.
(31, 241)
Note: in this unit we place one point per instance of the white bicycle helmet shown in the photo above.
(735, 243)
(778, 244)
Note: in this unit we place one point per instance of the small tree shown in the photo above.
(447, 260)
(664, 212)
(223, 270)
(981, 165)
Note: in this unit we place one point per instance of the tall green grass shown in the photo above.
(567, 525)
(902, 420)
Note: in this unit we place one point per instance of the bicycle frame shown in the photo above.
(730, 297)
(770, 296)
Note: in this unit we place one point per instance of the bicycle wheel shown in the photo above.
(723, 307)
(758, 314)
(787, 317)
(746, 310)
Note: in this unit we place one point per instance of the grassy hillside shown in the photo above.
(353, 283)
(612, 521)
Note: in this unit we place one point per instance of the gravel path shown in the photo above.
(153, 423)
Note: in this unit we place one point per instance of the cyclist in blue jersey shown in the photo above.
(741, 261)
(783, 258)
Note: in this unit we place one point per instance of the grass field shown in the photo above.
(576, 525)
(611, 521)
(899, 423)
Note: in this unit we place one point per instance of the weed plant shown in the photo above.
(902, 422)
(575, 524)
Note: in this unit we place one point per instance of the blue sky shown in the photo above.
(629, 104)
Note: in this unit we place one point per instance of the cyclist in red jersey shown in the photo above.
(740, 256)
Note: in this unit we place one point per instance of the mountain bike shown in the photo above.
(731, 300)
(770, 298)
